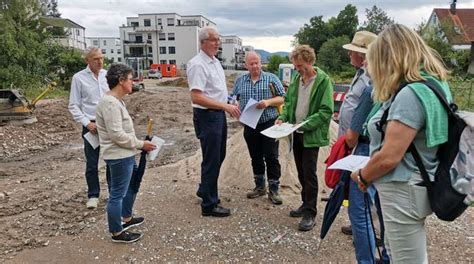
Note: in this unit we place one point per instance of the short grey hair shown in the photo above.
(205, 32)
(116, 73)
(247, 55)
(91, 50)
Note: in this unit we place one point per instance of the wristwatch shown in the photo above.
(360, 179)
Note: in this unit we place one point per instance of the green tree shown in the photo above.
(274, 62)
(317, 31)
(345, 23)
(22, 53)
(333, 59)
(376, 21)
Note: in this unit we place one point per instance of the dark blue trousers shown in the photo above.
(211, 130)
(92, 168)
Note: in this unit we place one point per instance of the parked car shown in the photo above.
(154, 74)
(137, 85)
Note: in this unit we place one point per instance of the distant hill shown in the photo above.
(265, 54)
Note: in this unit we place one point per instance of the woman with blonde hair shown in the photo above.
(397, 60)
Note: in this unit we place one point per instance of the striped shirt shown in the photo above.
(245, 89)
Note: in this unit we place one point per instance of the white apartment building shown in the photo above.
(233, 54)
(111, 47)
(74, 36)
(165, 38)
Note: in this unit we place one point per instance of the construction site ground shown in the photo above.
(43, 194)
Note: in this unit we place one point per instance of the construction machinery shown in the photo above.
(15, 107)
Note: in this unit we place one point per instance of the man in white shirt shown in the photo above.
(87, 88)
(208, 88)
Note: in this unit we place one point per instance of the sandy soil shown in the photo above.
(43, 194)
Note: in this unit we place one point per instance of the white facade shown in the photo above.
(232, 51)
(74, 36)
(111, 47)
(166, 38)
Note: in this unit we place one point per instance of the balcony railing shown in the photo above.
(137, 41)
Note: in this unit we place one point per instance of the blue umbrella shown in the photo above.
(139, 170)
(334, 203)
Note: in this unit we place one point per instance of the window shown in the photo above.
(104, 51)
(111, 50)
(119, 59)
(170, 36)
(105, 42)
(162, 61)
(172, 61)
(112, 59)
(158, 21)
(162, 50)
(78, 32)
(95, 42)
(119, 51)
(149, 35)
(171, 50)
(162, 36)
(134, 24)
(170, 21)
(147, 22)
(150, 50)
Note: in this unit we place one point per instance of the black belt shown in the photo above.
(208, 110)
(363, 139)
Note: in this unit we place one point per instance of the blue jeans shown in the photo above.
(211, 130)
(121, 198)
(362, 231)
(92, 168)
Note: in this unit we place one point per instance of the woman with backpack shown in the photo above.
(413, 114)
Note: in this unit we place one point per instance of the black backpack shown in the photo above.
(446, 202)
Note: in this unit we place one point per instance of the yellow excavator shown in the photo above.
(15, 107)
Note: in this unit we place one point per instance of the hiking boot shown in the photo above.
(135, 221)
(92, 203)
(297, 212)
(347, 230)
(257, 192)
(126, 237)
(307, 223)
(275, 198)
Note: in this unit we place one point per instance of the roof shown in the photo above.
(60, 22)
(462, 21)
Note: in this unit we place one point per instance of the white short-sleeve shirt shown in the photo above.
(207, 75)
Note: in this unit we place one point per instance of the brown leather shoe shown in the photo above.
(347, 230)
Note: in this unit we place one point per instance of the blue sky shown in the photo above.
(264, 24)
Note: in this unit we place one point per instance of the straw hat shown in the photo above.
(360, 42)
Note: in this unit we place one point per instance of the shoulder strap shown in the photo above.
(450, 107)
(383, 120)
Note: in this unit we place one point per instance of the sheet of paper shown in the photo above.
(350, 163)
(251, 114)
(281, 131)
(93, 139)
(159, 142)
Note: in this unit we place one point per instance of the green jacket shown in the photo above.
(321, 108)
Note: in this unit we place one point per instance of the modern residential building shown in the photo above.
(72, 34)
(111, 47)
(164, 38)
(456, 27)
(233, 55)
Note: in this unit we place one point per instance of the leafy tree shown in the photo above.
(274, 62)
(376, 21)
(22, 53)
(333, 59)
(317, 31)
(314, 34)
(345, 23)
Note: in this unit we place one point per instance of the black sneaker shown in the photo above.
(297, 212)
(126, 237)
(135, 221)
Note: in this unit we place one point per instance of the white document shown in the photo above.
(281, 131)
(251, 114)
(93, 139)
(350, 163)
(159, 142)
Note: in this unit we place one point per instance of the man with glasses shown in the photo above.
(208, 88)
(87, 88)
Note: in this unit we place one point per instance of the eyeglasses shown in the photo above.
(214, 39)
